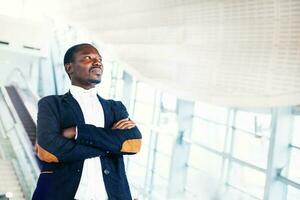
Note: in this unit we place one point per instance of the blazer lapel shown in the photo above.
(75, 107)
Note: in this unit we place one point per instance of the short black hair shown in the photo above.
(69, 55)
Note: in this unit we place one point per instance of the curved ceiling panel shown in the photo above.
(233, 53)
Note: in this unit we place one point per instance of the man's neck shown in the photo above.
(87, 86)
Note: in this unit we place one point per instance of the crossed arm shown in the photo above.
(54, 145)
(123, 132)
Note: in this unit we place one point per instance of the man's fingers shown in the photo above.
(119, 123)
(129, 127)
(126, 124)
(122, 120)
(126, 127)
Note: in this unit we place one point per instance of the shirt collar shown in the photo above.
(79, 91)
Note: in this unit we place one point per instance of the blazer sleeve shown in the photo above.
(116, 141)
(51, 145)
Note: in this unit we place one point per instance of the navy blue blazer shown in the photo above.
(62, 159)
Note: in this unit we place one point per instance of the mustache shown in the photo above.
(94, 68)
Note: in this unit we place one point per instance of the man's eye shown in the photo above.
(86, 57)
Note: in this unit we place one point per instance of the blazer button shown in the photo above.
(78, 170)
(106, 171)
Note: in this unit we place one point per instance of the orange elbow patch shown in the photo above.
(44, 155)
(131, 146)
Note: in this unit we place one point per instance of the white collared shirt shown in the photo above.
(91, 186)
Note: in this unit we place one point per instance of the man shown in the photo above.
(81, 137)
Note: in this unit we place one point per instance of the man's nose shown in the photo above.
(97, 62)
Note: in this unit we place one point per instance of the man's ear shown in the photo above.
(69, 68)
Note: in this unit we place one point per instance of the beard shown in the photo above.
(94, 81)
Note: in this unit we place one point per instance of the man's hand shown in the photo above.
(124, 124)
(69, 132)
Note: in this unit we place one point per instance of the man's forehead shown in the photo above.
(87, 49)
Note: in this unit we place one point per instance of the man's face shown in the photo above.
(86, 67)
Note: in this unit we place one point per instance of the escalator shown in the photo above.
(17, 140)
(23, 113)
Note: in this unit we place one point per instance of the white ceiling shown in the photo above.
(230, 52)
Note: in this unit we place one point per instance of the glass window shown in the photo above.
(294, 164)
(233, 193)
(257, 123)
(146, 131)
(165, 143)
(145, 93)
(141, 158)
(209, 133)
(247, 179)
(167, 131)
(106, 82)
(162, 165)
(117, 82)
(159, 189)
(168, 123)
(169, 102)
(201, 184)
(136, 174)
(293, 193)
(296, 131)
(143, 113)
(251, 149)
(210, 112)
(206, 162)
(294, 172)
